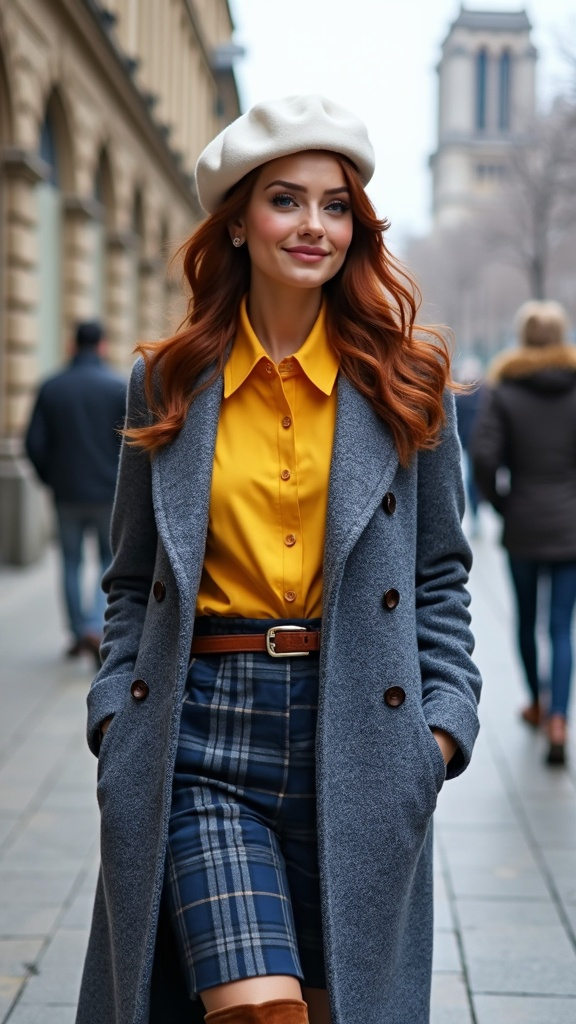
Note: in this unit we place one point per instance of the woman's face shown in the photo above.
(298, 223)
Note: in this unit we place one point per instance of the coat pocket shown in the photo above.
(107, 745)
(436, 759)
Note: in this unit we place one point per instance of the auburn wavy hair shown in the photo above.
(371, 306)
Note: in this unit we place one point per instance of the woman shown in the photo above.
(527, 426)
(290, 460)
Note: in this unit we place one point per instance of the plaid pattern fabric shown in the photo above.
(242, 869)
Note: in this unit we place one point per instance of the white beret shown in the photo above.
(279, 128)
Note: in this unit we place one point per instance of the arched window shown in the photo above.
(49, 252)
(481, 88)
(504, 91)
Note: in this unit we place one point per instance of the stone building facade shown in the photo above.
(486, 107)
(104, 107)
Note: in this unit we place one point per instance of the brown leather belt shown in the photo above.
(278, 642)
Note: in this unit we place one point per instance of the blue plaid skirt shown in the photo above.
(242, 880)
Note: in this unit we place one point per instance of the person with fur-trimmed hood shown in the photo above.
(527, 426)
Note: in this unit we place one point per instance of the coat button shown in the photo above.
(159, 590)
(394, 696)
(390, 599)
(139, 689)
(389, 503)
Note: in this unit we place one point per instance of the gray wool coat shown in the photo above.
(379, 769)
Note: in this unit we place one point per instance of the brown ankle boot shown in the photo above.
(532, 714)
(557, 736)
(275, 1011)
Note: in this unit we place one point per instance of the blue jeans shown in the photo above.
(74, 522)
(526, 576)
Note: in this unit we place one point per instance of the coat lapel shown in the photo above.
(364, 463)
(181, 480)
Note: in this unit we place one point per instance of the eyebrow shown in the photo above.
(301, 188)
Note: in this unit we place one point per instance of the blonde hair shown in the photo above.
(540, 324)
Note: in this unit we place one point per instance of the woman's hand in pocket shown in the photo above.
(447, 744)
(104, 726)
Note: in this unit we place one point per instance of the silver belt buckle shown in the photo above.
(271, 647)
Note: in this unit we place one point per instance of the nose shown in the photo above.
(311, 222)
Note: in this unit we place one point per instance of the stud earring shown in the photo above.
(237, 241)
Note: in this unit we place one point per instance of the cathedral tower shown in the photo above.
(486, 106)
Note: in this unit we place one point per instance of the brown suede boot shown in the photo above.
(275, 1011)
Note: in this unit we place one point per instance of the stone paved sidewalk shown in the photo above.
(505, 949)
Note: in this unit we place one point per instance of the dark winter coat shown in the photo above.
(527, 427)
(73, 440)
(467, 407)
(379, 767)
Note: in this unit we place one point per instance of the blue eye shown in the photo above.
(283, 200)
(338, 206)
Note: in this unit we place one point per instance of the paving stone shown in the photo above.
(450, 1003)
(503, 879)
(59, 971)
(446, 952)
(511, 914)
(553, 823)
(443, 919)
(536, 960)
(56, 1014)
(16, 955)
(16, 920)
(562, 866)
(9, 989)
(519, 1010)
(79, 914)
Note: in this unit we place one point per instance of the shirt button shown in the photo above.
(290, 596)
(290, 540)
(286, 422)
(285, 474)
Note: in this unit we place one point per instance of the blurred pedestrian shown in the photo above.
(73, 443)
(287, 677)
(527, 427)
(469, 372)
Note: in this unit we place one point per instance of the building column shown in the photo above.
(24, 518)
(78, 270)
(152, 318)
(120, 296)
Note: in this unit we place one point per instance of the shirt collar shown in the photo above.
(316, 357)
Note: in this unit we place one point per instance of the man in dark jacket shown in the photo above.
(73, 444)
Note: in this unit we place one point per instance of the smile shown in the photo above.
(306, 253)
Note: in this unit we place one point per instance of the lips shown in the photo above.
(307, 250)
(306, 253)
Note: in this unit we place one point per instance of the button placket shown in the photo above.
(289, 506)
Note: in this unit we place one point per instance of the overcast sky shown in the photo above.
(378, 58)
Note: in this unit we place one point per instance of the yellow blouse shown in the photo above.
(269, 494)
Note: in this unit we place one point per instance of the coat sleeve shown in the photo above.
(37, 439)
(129, 577)
(450, 679)
(488, 447)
